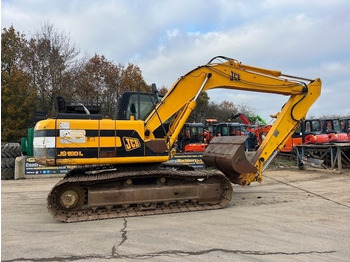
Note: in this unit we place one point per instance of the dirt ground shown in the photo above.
(292, 215)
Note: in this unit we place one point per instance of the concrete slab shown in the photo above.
(292, 216)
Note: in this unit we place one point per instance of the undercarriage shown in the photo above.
(85, 195)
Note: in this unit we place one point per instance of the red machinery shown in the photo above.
(191, 138)
(313, 133)
(259, 131)
(332, 127)
(210, 129)
(345, 126)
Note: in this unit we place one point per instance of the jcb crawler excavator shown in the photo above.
(119, 170)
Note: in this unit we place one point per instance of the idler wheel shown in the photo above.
(70, 198)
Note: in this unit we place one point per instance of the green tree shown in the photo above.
(13, 46)
(17, 94)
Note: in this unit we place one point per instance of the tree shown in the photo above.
(162, 91)
(247, 111)
(201, 111)
(132, 79)
(17, 94)
(49, 59)
(102, 81)
(223, 111)
(13, 46)
(17, 104)
(47, 66)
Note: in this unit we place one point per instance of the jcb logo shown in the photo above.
(131, 143)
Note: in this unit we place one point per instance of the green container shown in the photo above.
(27, 142)
(30, 136)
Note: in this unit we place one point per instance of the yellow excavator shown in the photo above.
(119, 163)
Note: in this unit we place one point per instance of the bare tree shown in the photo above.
(50, 59)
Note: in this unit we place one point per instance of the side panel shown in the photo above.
(77, 138)
(83, 142)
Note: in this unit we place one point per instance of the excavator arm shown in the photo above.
(242, 117)
(180, 101)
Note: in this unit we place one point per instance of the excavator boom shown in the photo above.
(179, 102)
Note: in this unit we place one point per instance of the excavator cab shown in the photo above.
(136, 105)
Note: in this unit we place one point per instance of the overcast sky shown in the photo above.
(166, 39)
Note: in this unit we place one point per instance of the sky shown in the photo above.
(166, 39)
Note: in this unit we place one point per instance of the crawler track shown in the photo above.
(117, 194)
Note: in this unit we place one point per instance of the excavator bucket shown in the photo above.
(227, 154)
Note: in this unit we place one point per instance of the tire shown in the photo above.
(7, 173)
(10, 150)
(8, 162)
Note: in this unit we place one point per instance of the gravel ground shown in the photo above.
(292, 215)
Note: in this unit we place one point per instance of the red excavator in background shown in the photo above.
(257, 133)
(261, 131)
(242, 117)
(192, 138)
(210, 131)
